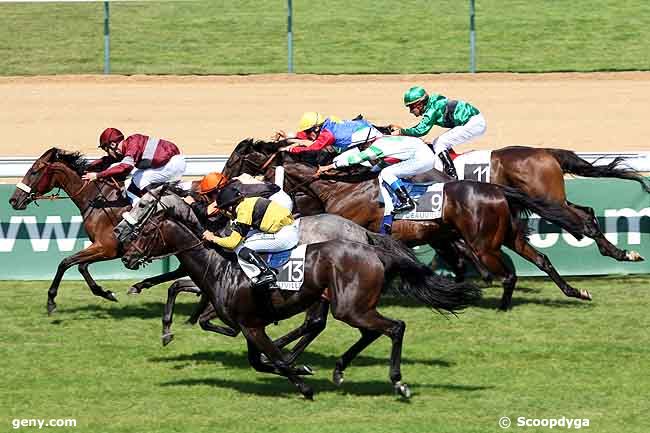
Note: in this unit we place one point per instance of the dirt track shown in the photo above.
(208, 115)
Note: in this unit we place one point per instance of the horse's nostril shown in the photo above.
(13, 201)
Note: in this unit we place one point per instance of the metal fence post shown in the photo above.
(107, 41)
(472, 38)
(290, 35)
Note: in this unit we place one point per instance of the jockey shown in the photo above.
(316, 132)
(398, 157)
(463, 119)
(258, 225)
(154, 161)
(213, 183)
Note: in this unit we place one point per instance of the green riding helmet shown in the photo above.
(414, 94)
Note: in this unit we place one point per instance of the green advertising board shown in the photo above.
(34, 241)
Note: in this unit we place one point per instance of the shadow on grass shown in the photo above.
(317, 360)
(280, 387)
(148, 310)
(492, 303)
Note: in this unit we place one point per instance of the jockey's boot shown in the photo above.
(448, 164)
(267, 278)
(386, 225)
(406, 202)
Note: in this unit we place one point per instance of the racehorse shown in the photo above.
(313, 229)
(57, 168)
(539, 172)
(355, 274)
(485, 216)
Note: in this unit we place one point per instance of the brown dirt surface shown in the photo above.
(210, 114)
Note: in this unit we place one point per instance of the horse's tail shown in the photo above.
(418, 281)
(573, 164)
(522, 203)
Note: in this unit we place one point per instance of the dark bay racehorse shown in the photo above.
(485, 216)
(313, 229)
(354, 273)
(60, 169)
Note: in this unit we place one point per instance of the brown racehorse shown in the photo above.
(482, 214)
(540, 173)
(60, 169)
(354, 273)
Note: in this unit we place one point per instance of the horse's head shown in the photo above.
(159, 203)
(252, 157)
(41, 177)
(141, 229)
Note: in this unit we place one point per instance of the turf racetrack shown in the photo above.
(102, 364)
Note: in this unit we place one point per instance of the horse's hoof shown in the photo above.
(167, 338)
(133, 291)
(51, 308)
(111, 296)
(402, 389)
(584, 294)
(307, 392)
(305, 370)
(634, 256)
(337, 377)
(265, 359)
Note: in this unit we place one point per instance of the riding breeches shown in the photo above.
(475, 127)
(421, 162)
(173, 170)
(286, 238)
(283, 199)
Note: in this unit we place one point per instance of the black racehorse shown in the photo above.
(355, 274)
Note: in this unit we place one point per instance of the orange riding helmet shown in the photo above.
(212, 181)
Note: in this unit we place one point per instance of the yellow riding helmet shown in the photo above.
(309, 120)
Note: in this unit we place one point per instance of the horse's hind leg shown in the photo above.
(158, 279)
(168, 313)
(94, 253)
(468, 251)
(592, 230)
(521, 246)
(371, 324)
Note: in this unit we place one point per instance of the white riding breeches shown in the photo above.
(173, 170)
(283, 199)
(286, 238)
(475, 127)
(421, 162)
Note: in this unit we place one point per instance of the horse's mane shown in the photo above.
(75, 160)
(354, 174)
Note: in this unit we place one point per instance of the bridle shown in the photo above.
(143, 253)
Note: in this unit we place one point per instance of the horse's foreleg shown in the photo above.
(521, 246)
(204, 322)
(95, 288)
(494, 261)
(94, 253)
(158, 279)
(468, 251)
(315, 323)
(259, 341)
(168, 313)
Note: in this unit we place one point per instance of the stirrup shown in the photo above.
(407, 206)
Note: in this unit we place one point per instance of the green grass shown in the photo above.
(367, 36)
(102, 364)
